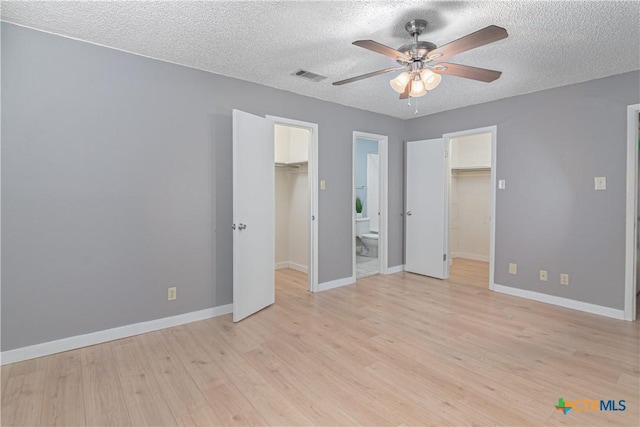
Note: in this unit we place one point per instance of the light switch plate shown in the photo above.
(601, 182)
(323, 184)
(513, 268)
(502, 184)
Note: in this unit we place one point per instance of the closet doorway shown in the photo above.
(470, 202)
(295, 169)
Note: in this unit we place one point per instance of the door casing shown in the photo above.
(631, 221)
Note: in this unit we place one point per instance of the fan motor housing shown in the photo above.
(418, 51)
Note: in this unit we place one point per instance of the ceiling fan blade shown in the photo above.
(407, 89)
(366, 76)
(385, 50)
(481, 37)
(466, 71)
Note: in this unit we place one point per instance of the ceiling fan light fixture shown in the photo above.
(431, 80)
(400, 82)
(417, 88)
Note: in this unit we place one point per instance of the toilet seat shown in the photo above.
(372, 236)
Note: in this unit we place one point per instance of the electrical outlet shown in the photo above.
(513, 268)
(543, 275)
(171, 294)
(564, 279)
(323, 184)
(502, 184)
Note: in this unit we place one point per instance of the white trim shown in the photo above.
(298, 267)
(467, 255)
(338, 283)
(282, 265)
(631, 213)
(93, 338)
(395, 269)
(312, 173)
(559, 301)
(383, 232)
(494, 173)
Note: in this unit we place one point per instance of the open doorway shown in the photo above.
(295, 170)
(471, 202)
(370, 201)
(632, 226)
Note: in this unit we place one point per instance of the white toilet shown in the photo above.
(368, 239)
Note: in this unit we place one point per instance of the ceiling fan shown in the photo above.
(421, 73)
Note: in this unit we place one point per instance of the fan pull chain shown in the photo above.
(416, 112)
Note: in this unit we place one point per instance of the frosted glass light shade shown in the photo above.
(431, 80)
(399, 83)
(417, 89)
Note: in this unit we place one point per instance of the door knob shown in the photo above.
(409, 213)
(242, 226)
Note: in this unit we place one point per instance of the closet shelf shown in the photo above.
(471, 169)
(290, 165)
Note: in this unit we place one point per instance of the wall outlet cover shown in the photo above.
(543, 275)
(564, 279)
(171, 294)
(513, 268)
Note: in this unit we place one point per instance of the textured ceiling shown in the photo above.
(550, 43)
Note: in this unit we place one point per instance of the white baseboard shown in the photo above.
(293, 266)
(298, 267)
(395, 269)
(336, 284)
(562, 302)
(93, 338)
(467, 255)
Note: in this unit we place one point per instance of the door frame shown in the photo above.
(493, 130)
(312, 173)
(631, 222)
(383, 178)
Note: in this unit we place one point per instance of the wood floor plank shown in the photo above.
(146, 404)
(203, 370)
(22, 399)
(104, 400)
(187, 403)
(233, 408)
(63, 392)
(4, 376)
(400, 349)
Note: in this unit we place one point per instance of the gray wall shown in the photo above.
(116, 184)
(550, 146)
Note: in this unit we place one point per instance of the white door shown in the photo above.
(253, 214)
(426, 214)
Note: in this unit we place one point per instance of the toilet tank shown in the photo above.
(362, 226)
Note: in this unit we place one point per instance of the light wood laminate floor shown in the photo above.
(391, 350)
(464, 271)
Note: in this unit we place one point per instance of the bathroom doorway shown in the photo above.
(295, 169)
(369, 204)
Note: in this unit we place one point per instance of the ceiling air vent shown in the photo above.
(308, 75)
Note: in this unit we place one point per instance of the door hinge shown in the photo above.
(444, 257)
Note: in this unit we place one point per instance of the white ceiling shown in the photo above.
(550, 43)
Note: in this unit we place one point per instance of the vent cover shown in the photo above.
(308, 75)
